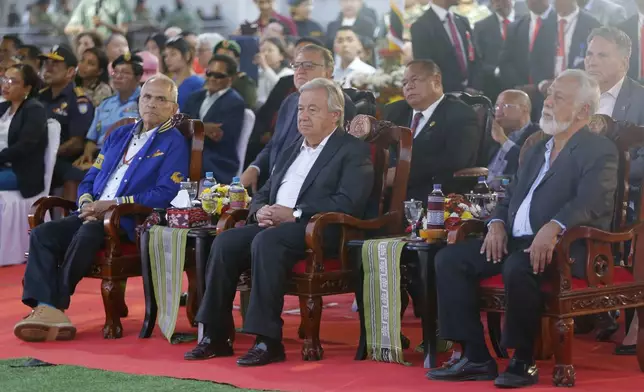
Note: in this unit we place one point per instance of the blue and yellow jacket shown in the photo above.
(153, 176)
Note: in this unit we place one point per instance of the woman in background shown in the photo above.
(23, 132)
(155, 44)
(93, 75)
(86, 40)
(272, 61)
(179, 56)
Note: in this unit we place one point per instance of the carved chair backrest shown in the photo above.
(193, 130)
(485, 118)
(118, 124)
(383, 135)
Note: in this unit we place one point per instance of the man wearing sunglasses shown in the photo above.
(221, 109)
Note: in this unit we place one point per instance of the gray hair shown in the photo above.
(209, 40)
(174, 91)
(335, 96)
(614, 35)
(588, 92)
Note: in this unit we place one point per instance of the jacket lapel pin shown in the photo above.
(431, 124)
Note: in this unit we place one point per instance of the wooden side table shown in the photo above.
(197, 251)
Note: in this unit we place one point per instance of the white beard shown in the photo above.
(553, 127)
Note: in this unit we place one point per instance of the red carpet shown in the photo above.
(597, 369)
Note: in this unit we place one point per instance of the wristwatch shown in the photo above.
(297, 214)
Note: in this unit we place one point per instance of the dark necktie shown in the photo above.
(414, 123)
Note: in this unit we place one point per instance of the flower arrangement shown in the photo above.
(457, 208)
(215, 200)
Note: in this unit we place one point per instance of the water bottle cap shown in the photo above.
(505, 181)
(209, 174)
(236, 179)
(481, 179)
(437, 186)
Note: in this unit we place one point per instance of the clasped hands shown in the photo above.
(95, 210)
(275, 215)
(495, 245)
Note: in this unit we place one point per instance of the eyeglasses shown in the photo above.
(506, 106)
(305, 65)
(8, 81)
(216, 75)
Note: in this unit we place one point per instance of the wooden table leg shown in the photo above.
(148, 288)
(430, 307)
(202, 250)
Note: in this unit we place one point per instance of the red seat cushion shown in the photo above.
(621, 275)
(329, 265)
(127, 249)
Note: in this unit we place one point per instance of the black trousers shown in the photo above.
(460, 267)
(271, 254)
(61, 253)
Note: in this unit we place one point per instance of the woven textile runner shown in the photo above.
(382, 304)
(167, 258)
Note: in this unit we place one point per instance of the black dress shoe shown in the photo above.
(465, 370)
(262, 354)
(622, 349)
(607, 326)
(518, 374)
(207, 349)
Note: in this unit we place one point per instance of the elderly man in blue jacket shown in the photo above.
(141, 163)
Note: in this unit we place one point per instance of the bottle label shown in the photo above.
(435, 218)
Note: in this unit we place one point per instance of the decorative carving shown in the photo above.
(608, 301)
(360, 126)
(564, 284)
(597, 124)
(563, 376)
(494, 301)
(600, 265)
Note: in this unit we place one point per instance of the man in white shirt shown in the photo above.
(565, 181)
(329, 171)
(347, 47)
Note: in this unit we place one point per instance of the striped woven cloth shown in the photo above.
(167, 259)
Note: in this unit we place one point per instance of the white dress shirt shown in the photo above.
(608, 99)
(267, 81)
(427, 114)
(114, 183)
(533, 21)
(5, 123)
(293, 180)
(343, 76)
(348, 21)
(442, 15)
(561, 63)
(209, 101)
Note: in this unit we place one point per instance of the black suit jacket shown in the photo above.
(512, 156)
(340, 180)
(364, 26)
(431, 42)
(631, 27)
(585, 24)
(579, 189)
(489, 42)
(628, 107)
(447, 143)
(26, 146)
(228, 110)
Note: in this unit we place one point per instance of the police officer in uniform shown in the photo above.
(243, 84)
(69, 105)
(126, 77)
(301, 13)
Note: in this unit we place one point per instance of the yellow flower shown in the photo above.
(446, 215)
(220, 205)
(467, 215)
(396, 98)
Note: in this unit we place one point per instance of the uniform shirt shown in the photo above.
(114, 183)
(109, 112)
(71, 108)
(293, 180)
(357, 66)
(98, 93)
(247, 88)
(115, 12)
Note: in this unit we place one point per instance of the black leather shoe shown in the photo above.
(465, 370)
(207, 349)
(630, 349)
(607, 326)
(262, 354)
(518, 374)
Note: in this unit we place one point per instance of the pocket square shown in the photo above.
(157, 153)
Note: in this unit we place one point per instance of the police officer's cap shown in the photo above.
(62, 53)
(228, 44)
(128, 58)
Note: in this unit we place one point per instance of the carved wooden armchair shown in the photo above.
(120, 260)
(608, 285)
(485, 118)
(317, 276)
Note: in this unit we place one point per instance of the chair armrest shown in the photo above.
(112, 223)
(229, 219)
(319, 222)
(41, 206)
(472, 172)
(465, 229)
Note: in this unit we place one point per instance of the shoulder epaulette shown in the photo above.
(43, 90)
(241, 74)
(79, 91)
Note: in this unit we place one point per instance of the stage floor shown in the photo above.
(597, 368)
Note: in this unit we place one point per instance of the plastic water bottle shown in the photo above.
(500, 195)
(237, 194)
(436, 208)
(481, 188)
(210, 180)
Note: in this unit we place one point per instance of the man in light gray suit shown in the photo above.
(606, 12)
(622, 98)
